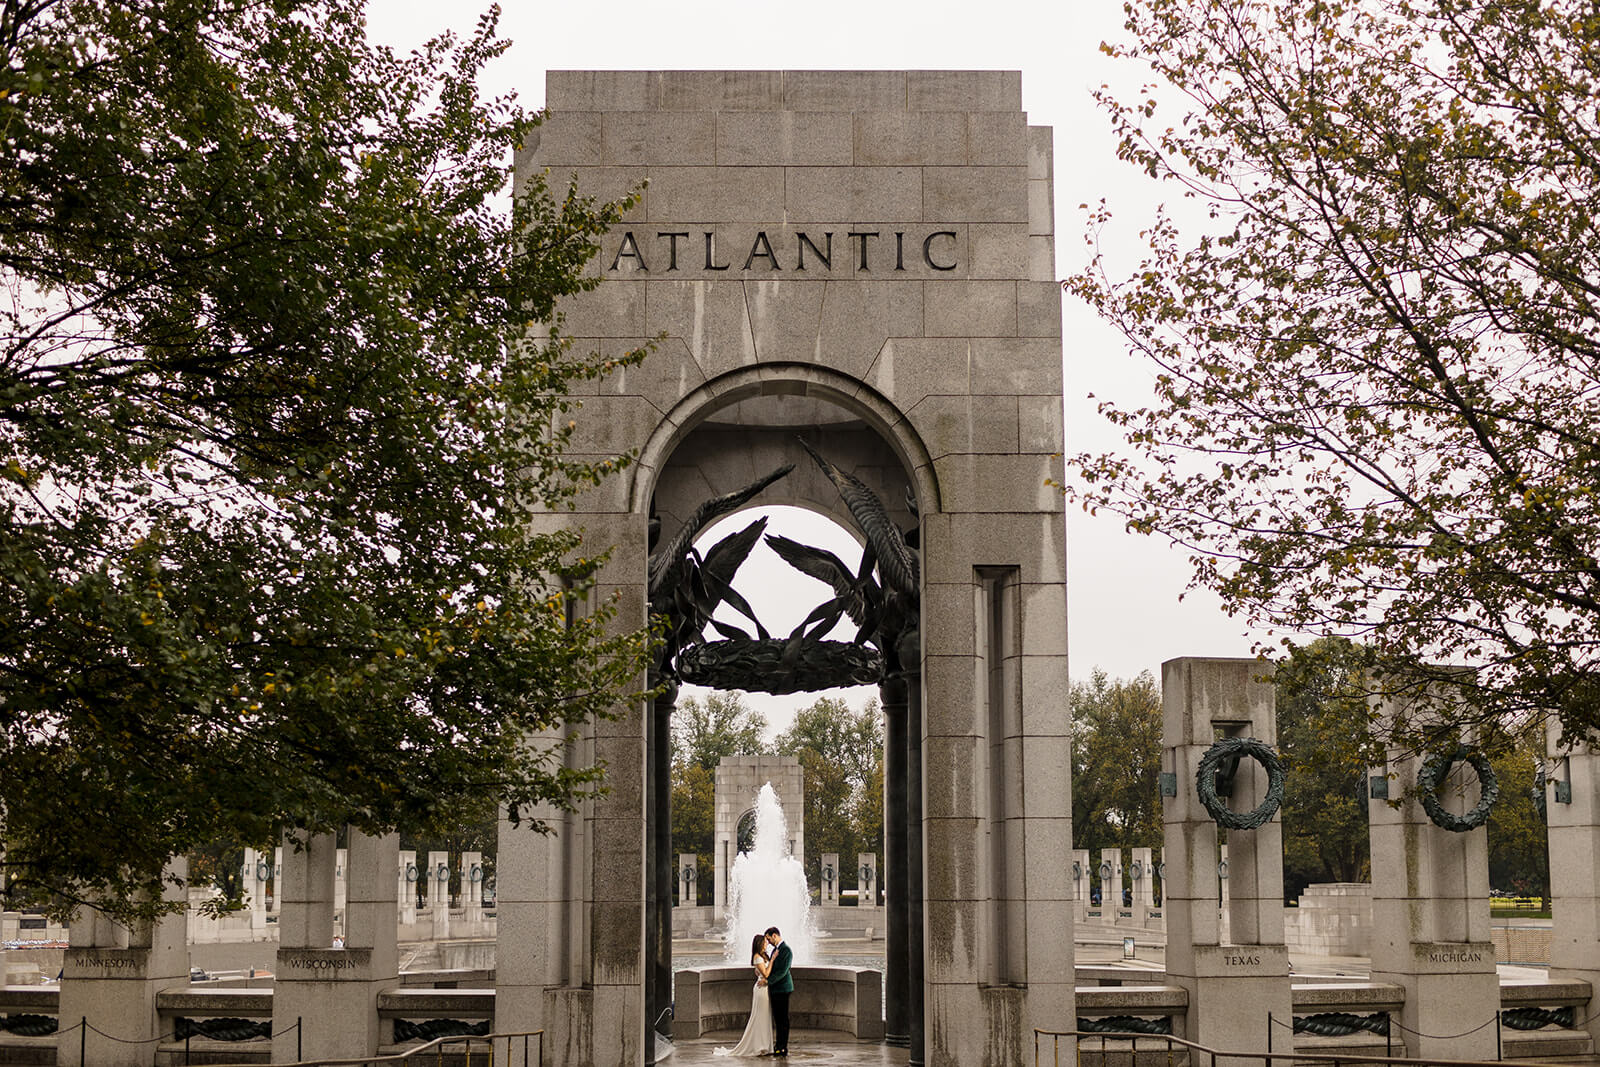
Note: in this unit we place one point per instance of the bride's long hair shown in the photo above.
(758, 946)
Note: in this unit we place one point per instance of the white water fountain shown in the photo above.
(767, 887)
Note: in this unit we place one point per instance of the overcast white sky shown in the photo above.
(1124, 612)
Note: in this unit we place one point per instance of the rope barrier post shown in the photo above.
(83, 1041)
(1388, 1033)
(299, 1037)
(1269, 1039)
(1499, 1048)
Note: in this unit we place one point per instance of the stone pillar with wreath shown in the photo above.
(1221, 775)
(1427, 807)
(1568, 792)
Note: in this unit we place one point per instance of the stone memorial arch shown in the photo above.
(858, 265)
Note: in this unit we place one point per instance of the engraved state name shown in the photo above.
(1455, 957)
(802, 250)
(330, 963)
(107, 963)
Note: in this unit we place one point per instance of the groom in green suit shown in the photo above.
(780, 983)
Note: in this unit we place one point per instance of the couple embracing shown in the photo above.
(767, 1032)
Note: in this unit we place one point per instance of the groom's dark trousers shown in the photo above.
(780, 1020)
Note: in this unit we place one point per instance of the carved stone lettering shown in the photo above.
(319, 963)
(768, 251)
(1242, 961)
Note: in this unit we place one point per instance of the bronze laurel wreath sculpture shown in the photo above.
(1229, 750)
(1436, 768)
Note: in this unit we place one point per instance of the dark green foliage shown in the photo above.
(703, 732)
(274, 434)
(1116, 760)
(841, 756)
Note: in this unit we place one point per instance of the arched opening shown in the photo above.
(820, 443)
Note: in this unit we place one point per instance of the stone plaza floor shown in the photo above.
(805, 1046)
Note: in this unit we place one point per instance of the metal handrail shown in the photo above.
(437, 1046)
(1196, 1051)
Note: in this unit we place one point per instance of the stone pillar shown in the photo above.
(439, 893)
(341, 888)
(1233, 984)
(1223, 910)
(325, 1000)
(916, 873)
(1430, 902)
(111, 975)
(867, 879)
(896, 1002)
(828, 878)
(1161, 882)
(721, 863)
(406, 886)
(1082, 882)
(1111, 882)
(688, 875)
(472, 889)
(660, 872)
(1142, 876)
(257, 881)
(1572, 797)
(543, 965)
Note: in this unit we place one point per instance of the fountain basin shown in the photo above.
(825, 998)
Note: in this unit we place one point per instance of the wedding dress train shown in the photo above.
(757, 1038)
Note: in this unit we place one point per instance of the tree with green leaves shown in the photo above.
(1519, 840)
(704, 732)
(840, 749)
(1325, 739)
(1376, 407)
(276, 424)
(1116, 763)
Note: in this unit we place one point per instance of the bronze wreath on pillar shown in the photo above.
(1436, 768)
(1220, 761)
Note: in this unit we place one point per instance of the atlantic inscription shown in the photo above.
(810, 251)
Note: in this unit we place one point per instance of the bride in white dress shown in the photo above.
(757, 1038)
